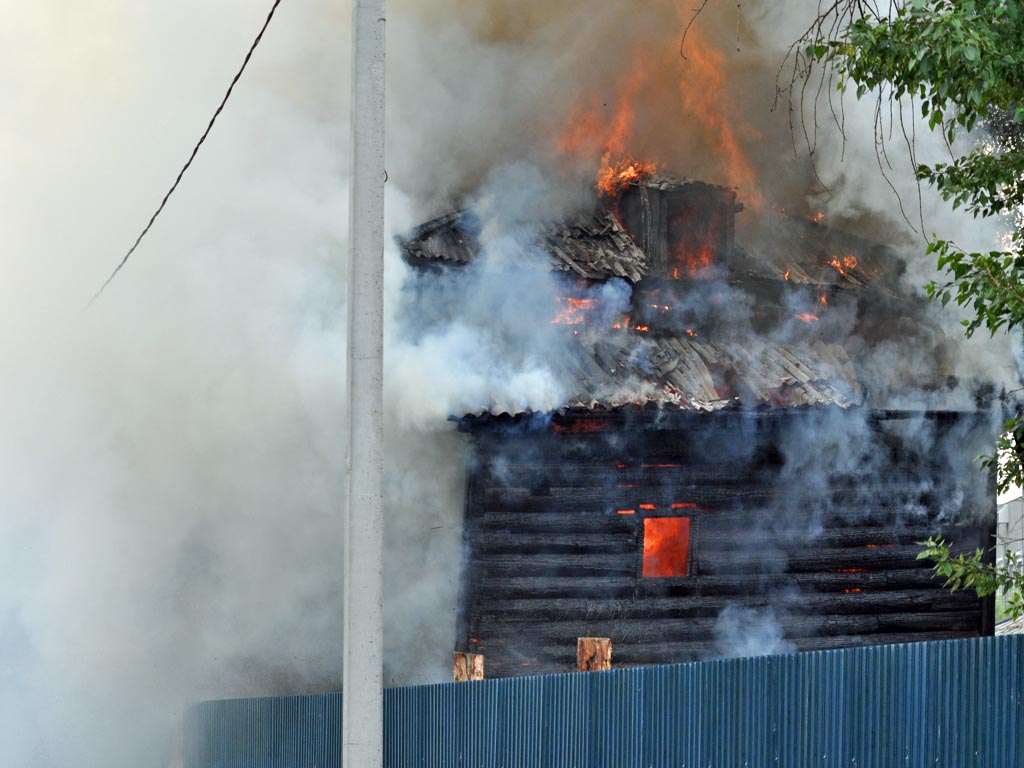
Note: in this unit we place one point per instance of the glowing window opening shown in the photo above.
(666, 547)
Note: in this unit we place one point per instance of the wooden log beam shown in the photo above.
(495, 587)
(661, 478)
(491, 587)
(628, 631)
(833, 559)
(880, 602)
(621, 532)
(707, 561)
(729, 507)
(733, 537)
(581, 539)
(553, 565)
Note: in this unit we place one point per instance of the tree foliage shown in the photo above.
(971, 571)
(960, 64)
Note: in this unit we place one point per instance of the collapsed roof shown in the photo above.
(664, 233)
(595, 245)
(592, 245)
(621, 370)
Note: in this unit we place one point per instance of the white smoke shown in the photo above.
(170, 459)
(742, 632)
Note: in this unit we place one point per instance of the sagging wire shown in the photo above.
(195, 151)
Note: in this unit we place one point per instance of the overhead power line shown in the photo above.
(191, 157)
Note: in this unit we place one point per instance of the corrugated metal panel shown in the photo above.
(955, 704)
(275, 731)
(622, 368)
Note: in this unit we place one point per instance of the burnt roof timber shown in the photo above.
(655, 418)
(592, 244)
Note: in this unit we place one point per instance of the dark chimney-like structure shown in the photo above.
(685, 227)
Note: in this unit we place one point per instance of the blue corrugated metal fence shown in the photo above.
(954, 704)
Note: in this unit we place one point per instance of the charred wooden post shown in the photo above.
(593, 654)
(468, 667)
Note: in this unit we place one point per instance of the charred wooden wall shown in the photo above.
(822, 533)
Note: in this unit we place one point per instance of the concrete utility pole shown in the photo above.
(362, 717)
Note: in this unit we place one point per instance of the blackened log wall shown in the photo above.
(785, 514)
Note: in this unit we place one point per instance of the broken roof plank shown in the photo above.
(592, 245)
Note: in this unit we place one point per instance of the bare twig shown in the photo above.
(689, 24)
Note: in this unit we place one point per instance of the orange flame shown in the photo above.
(616, 176)
(818, 217)
(574, 312)
(586, 133)
(579, 426)
(696, 262)
(612, 141)
(807, 317)
(702, 91)
(842, 263)
(626, 324)
(666, 547)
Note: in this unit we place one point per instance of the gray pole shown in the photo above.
(362, 718)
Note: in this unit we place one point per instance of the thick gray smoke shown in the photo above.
(171, 461)
(742, 632)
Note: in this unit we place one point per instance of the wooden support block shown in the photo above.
(468, 667)
(593, 654)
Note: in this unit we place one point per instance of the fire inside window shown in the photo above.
(666, 547)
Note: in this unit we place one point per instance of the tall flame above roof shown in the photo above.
(607, 134)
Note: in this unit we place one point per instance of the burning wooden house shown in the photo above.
(709, 459)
